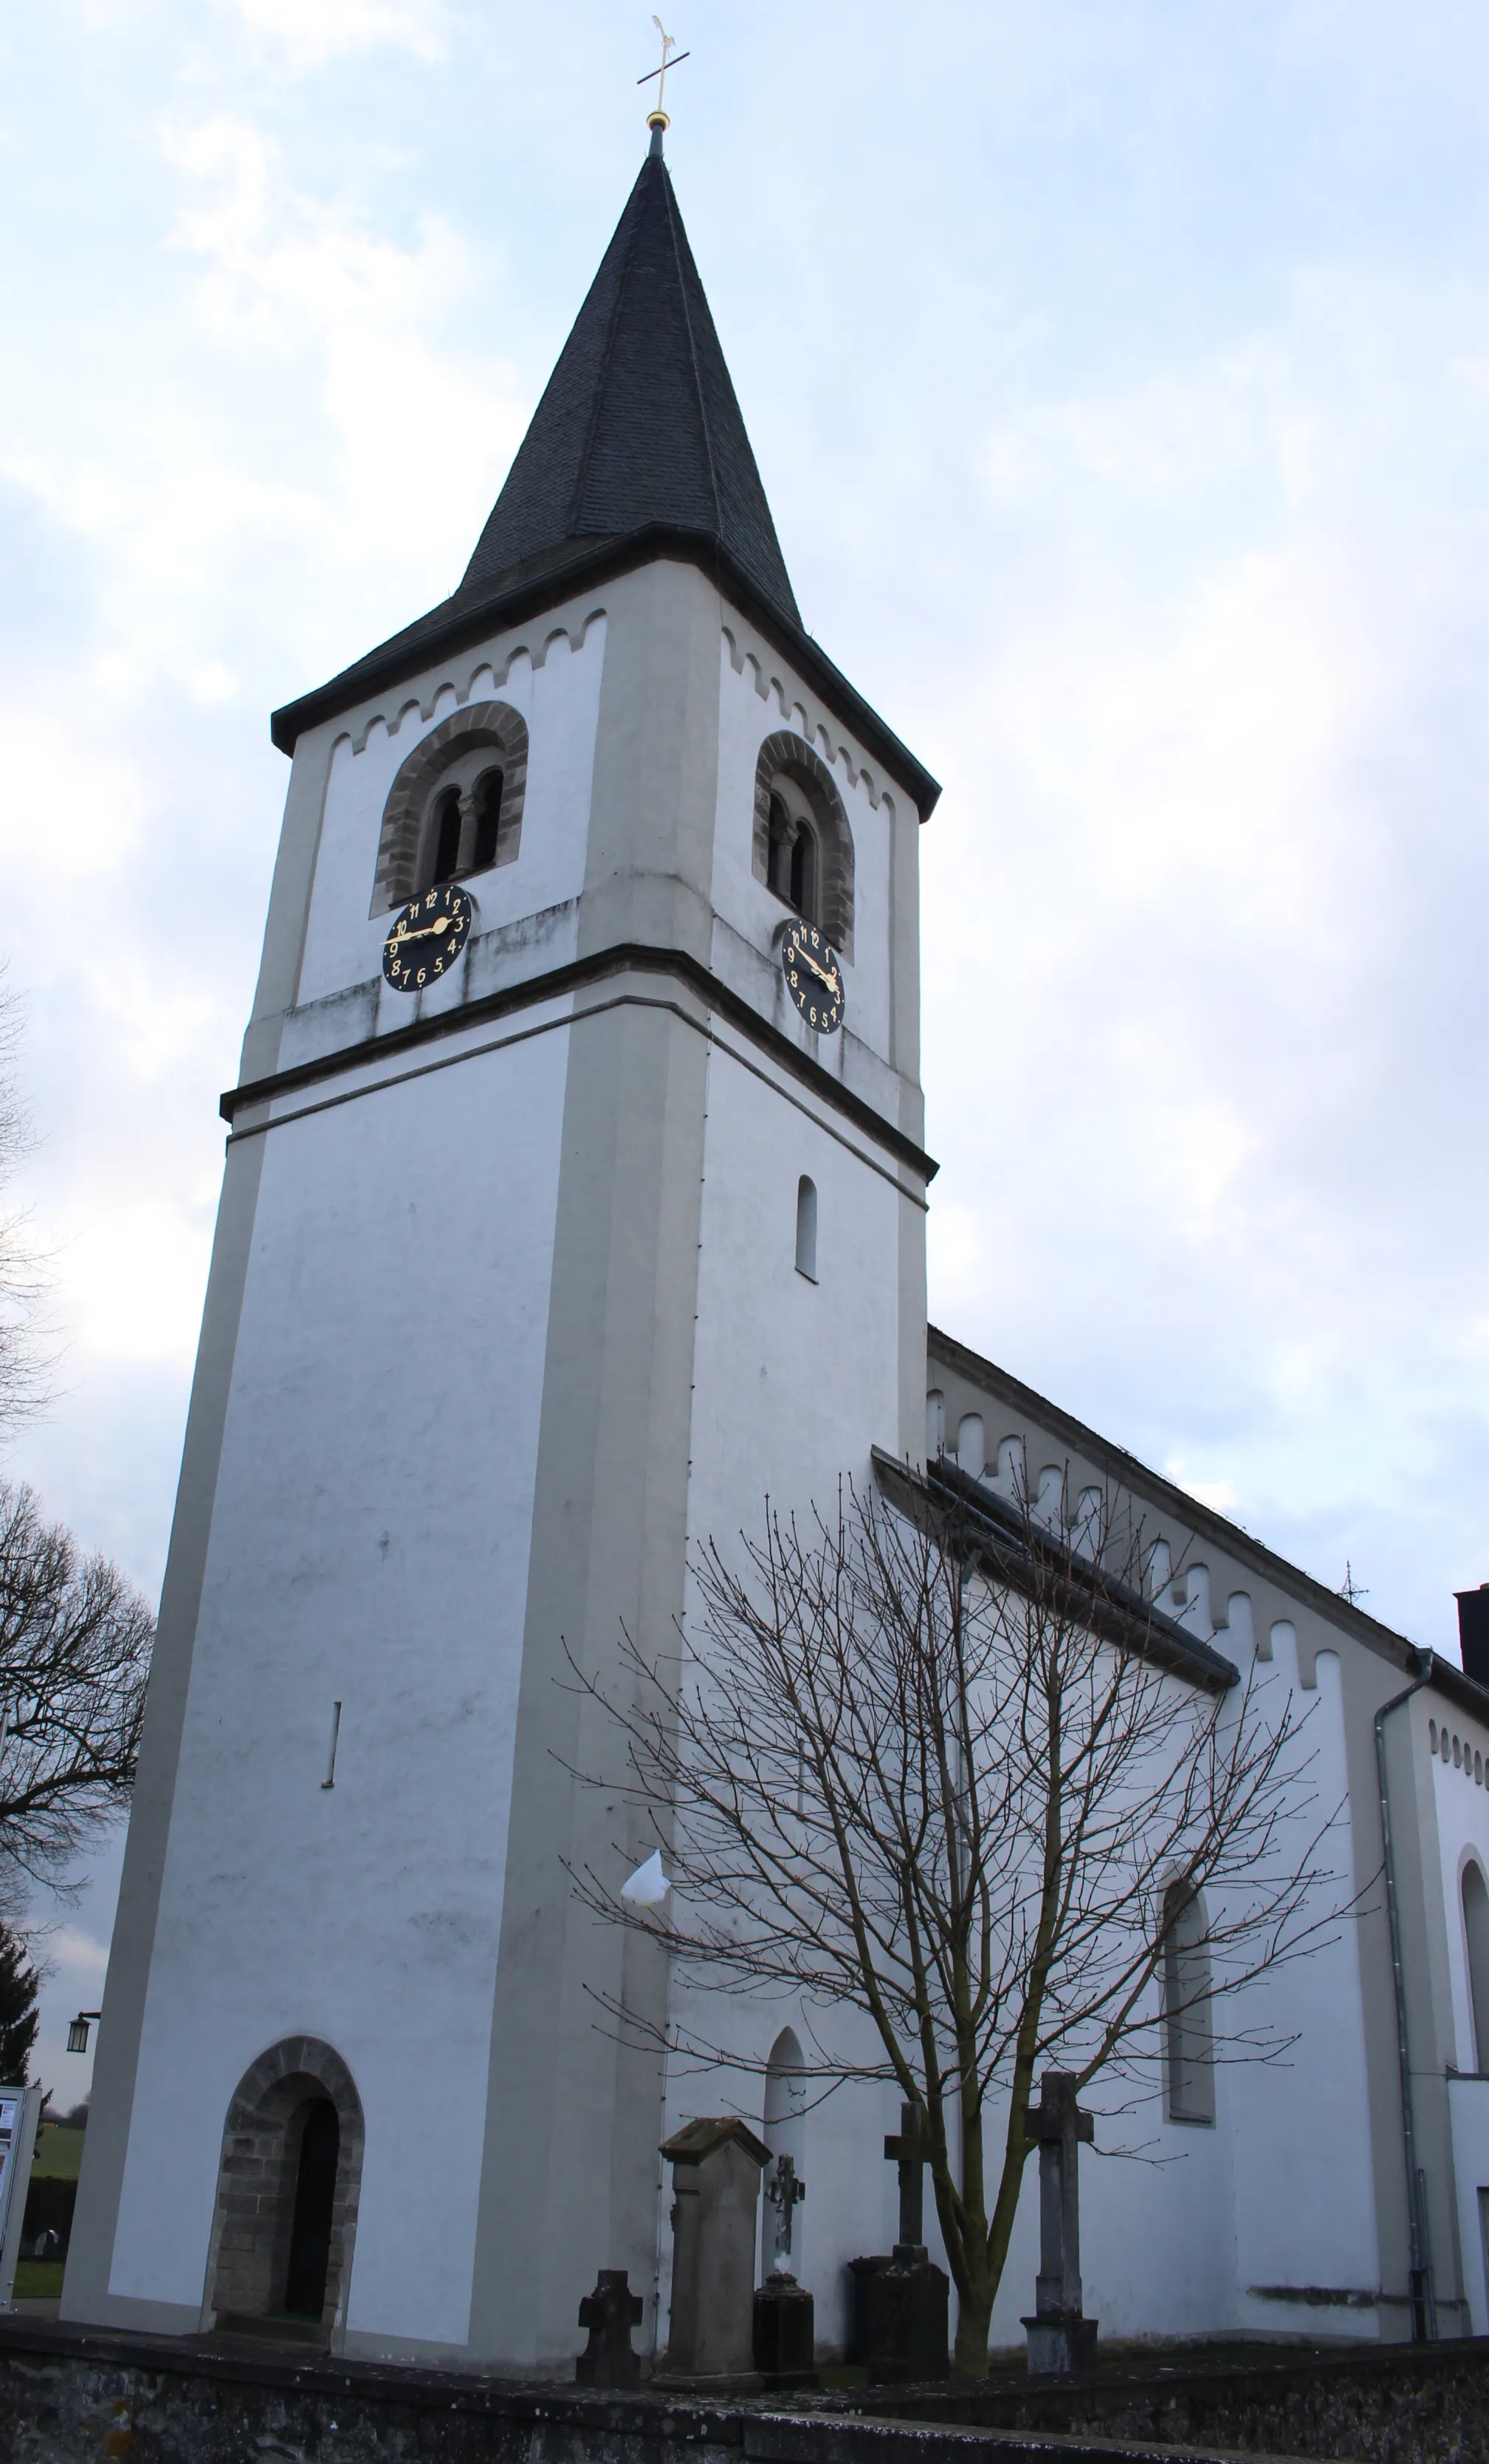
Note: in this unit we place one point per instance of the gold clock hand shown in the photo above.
(821, 973)
(421, 932)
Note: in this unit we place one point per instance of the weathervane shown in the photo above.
(657, 118)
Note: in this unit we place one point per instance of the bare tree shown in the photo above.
(75, 1634)
(940, 1762)
(75, 1652)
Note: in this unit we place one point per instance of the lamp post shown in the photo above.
(78, 2031)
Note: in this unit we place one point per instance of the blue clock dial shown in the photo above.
(814, 977)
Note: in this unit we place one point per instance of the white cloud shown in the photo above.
(310, 33)
(70, 1951)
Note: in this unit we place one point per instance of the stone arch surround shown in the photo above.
(250, 2246)
(493, 723)
(787, 751)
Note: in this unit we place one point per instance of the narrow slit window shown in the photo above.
(488, 819)
(806, 1229)
(447, 842)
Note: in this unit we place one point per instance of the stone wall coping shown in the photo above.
(928, 2425)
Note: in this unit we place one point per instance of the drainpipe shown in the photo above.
(1424, 2305)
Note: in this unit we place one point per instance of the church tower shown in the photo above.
(573, 1197)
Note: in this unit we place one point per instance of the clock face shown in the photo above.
(814, 976)
(428, 936)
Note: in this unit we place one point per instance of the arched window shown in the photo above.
(970, 1444)
(456, 807)
(806, 1229)
(803, 871)
(1475, 1938)
(935, 1422)
(778, 860)
(488, 819)
(804, 848)
(447, 836)
(1188, 2045)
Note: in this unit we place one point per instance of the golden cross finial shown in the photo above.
(656, 117)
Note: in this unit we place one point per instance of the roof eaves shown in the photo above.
(1460, 1688)
(1382, 1639)
(1118, 1613)
(593, 562)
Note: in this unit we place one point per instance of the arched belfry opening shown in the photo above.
(455, 807)
(804, 848)
(287, 2194)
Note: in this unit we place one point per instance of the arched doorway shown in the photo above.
(315, 2206)
(281, 2249)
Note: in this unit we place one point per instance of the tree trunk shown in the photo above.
(974, 2321)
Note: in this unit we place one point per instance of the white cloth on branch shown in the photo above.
(648, 1886)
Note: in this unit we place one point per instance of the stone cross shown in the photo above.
(782, 2190)
(610, 2312)
(1057, 2334)
(911, 2152)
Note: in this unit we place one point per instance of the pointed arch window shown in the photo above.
(1188, 2038)
(1476, 1943)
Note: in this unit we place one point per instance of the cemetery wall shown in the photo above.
(70, 2395)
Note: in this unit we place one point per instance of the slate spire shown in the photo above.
(639, 427)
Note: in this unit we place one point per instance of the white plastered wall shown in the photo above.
(1300, 2126)
(557, 693)
(794, 1383)
(1462, 1810)
(390, 1300)
(743, 906)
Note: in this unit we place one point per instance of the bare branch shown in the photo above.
(940, 1762)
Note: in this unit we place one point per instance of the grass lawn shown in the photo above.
(59, 2152)
(39, 2279)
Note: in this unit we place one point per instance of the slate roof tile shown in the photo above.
(638, 423)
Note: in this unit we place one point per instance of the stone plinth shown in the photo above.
(785, 2333)
(909, 2309)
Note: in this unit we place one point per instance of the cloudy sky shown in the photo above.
(1119, 373)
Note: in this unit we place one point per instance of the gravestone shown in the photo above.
(909, 2300)
(786, 2326)
(610, 2312)
(716, 2165)
(1060, 2338)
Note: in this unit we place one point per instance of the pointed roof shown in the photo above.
(637, 449)
(639, 424)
